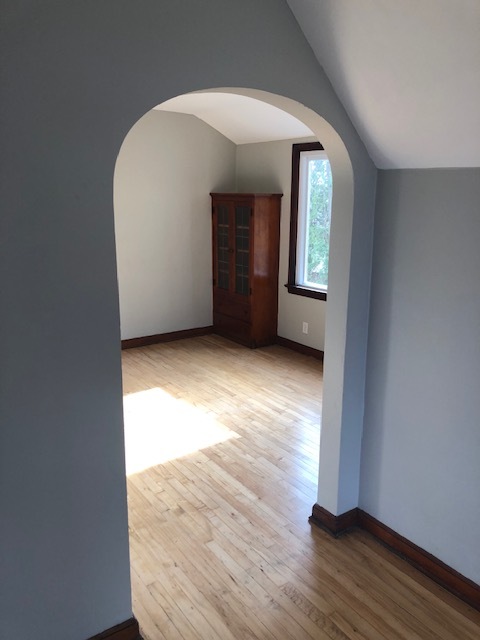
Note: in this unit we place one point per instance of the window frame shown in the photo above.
(292, 285)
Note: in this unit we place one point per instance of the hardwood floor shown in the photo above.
(222, 456)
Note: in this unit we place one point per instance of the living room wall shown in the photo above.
(167, 167)
(421, 443)
(75, 79)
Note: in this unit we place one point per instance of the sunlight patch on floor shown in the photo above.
(159, 428)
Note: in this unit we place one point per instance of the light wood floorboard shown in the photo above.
(222, 454)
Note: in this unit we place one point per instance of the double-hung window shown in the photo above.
(311, 207)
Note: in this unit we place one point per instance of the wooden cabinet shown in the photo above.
(246, 236)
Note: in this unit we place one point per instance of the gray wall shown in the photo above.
(75, 78)
(167, 167)
(421, 447)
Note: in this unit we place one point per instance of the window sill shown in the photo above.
(306, 292)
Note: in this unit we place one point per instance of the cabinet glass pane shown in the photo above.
(223, 269)
(242, 249)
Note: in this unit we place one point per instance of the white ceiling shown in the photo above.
(239, 118)
(407, 72)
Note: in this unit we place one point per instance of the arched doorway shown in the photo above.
(90, 74)
(330, 495)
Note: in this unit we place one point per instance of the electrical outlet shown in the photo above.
(305, 327)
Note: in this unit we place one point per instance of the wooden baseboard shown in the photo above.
(301, 348)
(336, 525)
(127, 630)
(133, 343)
(442, 574)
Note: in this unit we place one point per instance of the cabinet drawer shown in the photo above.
(232, 308)
(232, 328)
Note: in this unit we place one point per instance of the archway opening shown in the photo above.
(195, 232)
(339, 276)
(340, 247)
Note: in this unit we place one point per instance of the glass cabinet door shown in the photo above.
(223, 254)
(242, 249)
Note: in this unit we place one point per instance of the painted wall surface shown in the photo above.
(167, 167)
(267, 167)
(75, 78)
(421, 447)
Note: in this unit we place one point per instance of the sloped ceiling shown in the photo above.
(241, 119)
(407, 72)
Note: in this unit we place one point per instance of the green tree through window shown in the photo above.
(318, 222)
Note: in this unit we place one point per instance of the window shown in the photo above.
(311, 207)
